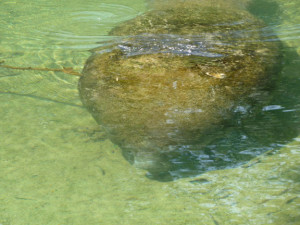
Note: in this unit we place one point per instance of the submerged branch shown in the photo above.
(66, 70)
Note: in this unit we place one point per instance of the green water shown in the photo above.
(56, 169)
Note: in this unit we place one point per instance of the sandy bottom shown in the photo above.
(55, 167)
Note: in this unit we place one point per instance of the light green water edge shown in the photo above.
(54, 169)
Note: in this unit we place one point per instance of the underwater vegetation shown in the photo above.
(174, 75)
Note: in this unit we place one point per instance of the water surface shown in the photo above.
(57, 168)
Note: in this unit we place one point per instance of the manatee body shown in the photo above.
(174, 75)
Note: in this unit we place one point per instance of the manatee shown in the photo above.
(172, 76)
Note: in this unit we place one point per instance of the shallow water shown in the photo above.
(57, 168)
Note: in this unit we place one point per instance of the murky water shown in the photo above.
(56, 167)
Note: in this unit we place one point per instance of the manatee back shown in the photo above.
(173, 77)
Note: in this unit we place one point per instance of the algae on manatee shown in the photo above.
(175, 74)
